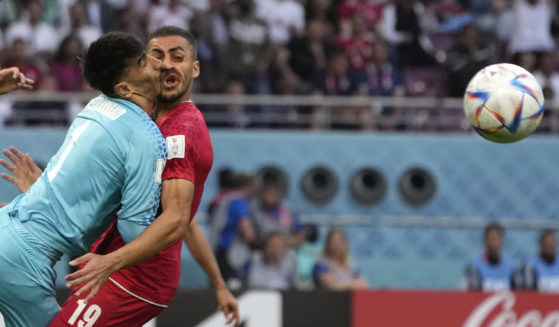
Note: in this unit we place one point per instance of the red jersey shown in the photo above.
(190, 157)
(358, 49)
(371, 9)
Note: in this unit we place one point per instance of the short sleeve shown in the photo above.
(180, 163)
(142, 185)
(240, 208)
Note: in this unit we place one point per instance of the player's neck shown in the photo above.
(141, 101)
(165, 107)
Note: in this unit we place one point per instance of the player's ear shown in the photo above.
(123, 90)
(196, 69)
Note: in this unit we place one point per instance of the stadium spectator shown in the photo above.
(226, 184)
(174, 13)
(238, 117)
(531, 31)
(547, 75)
(464, 59)
(103, 14)
(324, 10)
(337, 79)
(231, 231)
(303, 58)
(285, 18)
(274, 267)
(215, 25)
(65, 67)
(370, 9)
(249, 53)
(404, 29)
(41, 37)
(20, 56)
(385, 80)
(492, 271)
(271, 215)
(541, 272)
(78, 23)
(357, 42)
(335, 269)
(215, 34)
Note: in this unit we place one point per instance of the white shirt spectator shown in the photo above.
(41, 37)
(160, 16)
(531, 28)
(279, 276)
(282, 17)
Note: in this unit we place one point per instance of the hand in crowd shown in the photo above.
(12, 79)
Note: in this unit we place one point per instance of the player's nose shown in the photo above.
(166, 63)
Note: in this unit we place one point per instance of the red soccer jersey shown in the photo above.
(189, 157)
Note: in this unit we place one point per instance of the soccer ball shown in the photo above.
(503, 103)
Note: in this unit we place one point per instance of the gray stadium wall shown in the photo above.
(473, 178)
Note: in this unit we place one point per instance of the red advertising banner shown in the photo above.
(449, 309)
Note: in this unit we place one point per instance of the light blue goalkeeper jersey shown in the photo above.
(110, 162)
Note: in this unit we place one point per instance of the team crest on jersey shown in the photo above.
(175, 147)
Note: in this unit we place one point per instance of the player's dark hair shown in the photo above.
(546, 233)
(105, 60)
(176, 31)
(493, 227)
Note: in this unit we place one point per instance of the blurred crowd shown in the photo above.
(255, 235)
(333, 47)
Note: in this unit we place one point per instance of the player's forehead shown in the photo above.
(169, 43)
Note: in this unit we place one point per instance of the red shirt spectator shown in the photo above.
(371, 9)
(358, 44)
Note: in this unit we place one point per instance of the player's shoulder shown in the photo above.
(117, 114)
(184, 119)
(188, 109)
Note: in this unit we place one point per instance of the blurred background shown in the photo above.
(336, 124)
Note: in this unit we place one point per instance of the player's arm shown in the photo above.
(202, 252)
(25, 171)
(171, 225)
(12, 79)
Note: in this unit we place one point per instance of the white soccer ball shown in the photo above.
(504, 103)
